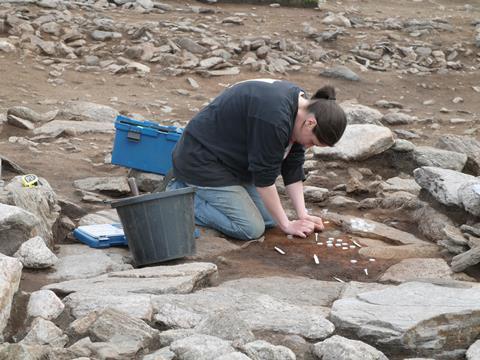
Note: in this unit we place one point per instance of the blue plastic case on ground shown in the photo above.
(101, 236)
(144, 145)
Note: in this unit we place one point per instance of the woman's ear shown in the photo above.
(311, 121)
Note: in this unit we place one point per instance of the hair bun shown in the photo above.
(327, 92)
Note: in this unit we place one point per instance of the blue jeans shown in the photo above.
(237, 211)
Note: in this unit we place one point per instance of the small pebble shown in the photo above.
(290, 237)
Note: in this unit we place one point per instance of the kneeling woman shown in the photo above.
(233, 150)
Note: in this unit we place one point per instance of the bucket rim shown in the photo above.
(149, 197)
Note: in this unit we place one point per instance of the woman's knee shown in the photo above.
(252, 229)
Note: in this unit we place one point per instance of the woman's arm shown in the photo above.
(302, 227)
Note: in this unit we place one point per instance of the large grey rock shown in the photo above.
(359, 142)
(169, 336)
(26, 113)
(469, 197)
(6, 46)
(361, 114)
(35, 254)
(260, 311)
(429, 156)
(400, 184)
(44, 332)
(118, 184)
(262, 350)
(338, 347)
(201, 347)
(87, 111)
(390, 252)
(126, 333)
(100, 35)
(176, 279)
(16, 227)
(100, 350)
(10, 273)
(81, 261)
(225, 325)
(412, 269)
(20, 123)
(190, 45)
(473, 352)
(443, 184)
(314, 193)
(57, 127)
(146, 181)
(36, 352)
(108, 216)
(374, 230)
(398, 118)
(132, 291)
(233, 356)
(341, 72)
(463, 144)
(413, 318)
(44, 304)
(161, 354)
(40, 201)
(294, 290)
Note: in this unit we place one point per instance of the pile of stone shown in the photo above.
(198, 42)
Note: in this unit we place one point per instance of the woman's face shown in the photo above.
(305, 135)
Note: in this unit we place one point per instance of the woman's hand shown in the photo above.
(301, 228)
(317, 221)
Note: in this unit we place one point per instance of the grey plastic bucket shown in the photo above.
(158, 226)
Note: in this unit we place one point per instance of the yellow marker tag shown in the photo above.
(29, 181)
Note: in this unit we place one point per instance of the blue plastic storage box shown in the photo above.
(144, 145)
(101, 235)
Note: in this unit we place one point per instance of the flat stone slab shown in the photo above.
(373, 229)
(294, 290)
(359, 142)
(269, 311)
(414, 318)
(87, 111)
(177, 279)
(131, 291)
(56, 127)
(81, 261)
(443, 184)
(411, 269)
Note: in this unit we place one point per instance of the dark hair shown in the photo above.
(331, 119)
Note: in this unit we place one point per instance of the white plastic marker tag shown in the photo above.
(316, 237)
(339, 280)
(371, 259)
(277, 249)
(356, 243)
(366, 271)
(353, 261)
(315, 258)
